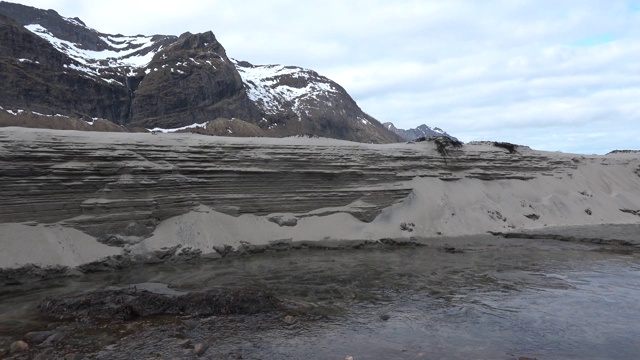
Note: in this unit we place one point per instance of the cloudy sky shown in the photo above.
(554, 75)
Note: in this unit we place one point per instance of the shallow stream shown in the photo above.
(501, 299)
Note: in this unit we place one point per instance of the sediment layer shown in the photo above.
(69, 191)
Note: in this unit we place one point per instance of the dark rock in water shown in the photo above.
(44, 338)
(128, 304)
(38, 337)
(46, 354)
(55, 338)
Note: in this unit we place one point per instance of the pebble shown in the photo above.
(200, 349)
(289, 320)
(19, 346)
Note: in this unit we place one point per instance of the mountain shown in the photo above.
(419, 132)
(53, 66)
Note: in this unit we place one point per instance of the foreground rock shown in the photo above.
(127, 304)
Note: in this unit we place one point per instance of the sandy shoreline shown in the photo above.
(123, 195)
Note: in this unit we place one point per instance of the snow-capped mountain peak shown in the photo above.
(271, 86)
(121, 51)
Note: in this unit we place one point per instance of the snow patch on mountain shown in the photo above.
(172, 130)
(271, 86)
(123, 51)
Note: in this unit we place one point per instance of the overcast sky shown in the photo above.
(555, 75)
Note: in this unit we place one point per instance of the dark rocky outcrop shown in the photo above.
(34, 77)
(127, 304)
(190, 81)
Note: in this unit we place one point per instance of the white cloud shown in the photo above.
(557, 75)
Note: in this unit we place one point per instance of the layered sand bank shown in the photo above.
(72, 198)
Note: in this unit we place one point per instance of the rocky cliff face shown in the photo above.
(56, 65)
(422, 131)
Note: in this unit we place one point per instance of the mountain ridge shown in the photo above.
(422, 131)
(59, 65)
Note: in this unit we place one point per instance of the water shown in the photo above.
(498, 300)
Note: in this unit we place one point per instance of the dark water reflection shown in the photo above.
(501, 300)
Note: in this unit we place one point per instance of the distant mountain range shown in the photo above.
(421, 131)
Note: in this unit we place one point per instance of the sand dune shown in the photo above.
(70, 198)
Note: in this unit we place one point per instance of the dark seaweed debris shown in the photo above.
(511, 148)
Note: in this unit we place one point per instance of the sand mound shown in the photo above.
(48, 245)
